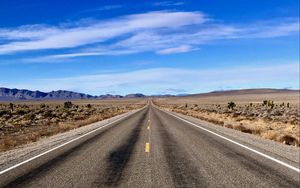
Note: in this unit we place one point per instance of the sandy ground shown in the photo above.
(288, 97)
(279, 121)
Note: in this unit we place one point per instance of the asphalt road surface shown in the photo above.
(151, 148)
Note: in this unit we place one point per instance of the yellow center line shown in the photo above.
(147, 147)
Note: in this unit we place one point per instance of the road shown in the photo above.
(151, 148)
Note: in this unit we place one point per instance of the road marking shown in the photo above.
(57, 147)
(148, 127)
(239, 144)
(148, 120)
(147, 147)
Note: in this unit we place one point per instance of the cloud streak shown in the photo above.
(57, 38)
(179, 49)
(168, 3)
(162, 32)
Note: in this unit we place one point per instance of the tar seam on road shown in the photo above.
(239, 144)
(66, 143)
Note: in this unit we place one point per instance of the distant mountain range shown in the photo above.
(7, 94)
(244, 92)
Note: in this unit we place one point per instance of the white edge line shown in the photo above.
(57, 147)
(239, 144)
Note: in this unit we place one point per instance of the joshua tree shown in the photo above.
(11, 105)
(231, 105)
(271, 104)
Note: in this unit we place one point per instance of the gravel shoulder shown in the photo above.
(290, 154)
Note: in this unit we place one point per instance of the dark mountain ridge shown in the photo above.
(7, 94)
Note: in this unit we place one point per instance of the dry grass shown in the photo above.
(30, 121)
(279, 123)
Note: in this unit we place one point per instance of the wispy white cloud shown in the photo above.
(168, 3)
(160, 80)
(162, 32)
(276, 28)
(102, 8)
(175, 50)
(98, 32)
(30, 32)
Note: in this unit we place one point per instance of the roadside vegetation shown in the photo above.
(24, 123)
(275, 121)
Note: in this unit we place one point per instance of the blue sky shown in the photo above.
(151, 47)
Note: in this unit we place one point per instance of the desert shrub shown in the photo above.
(89, 106)
(68, 104)
(288, 105)
(25, 106)
(271, 104)
(265, 102)
(289, 140)
(42, 105)
(231, 105)
(243, 129)
(47, 113)
(30, 116)
(21, 111)
(3, 112)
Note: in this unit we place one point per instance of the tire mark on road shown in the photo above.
(118, 159)
(183, 172)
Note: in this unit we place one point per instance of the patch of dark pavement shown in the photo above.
(118, 159)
